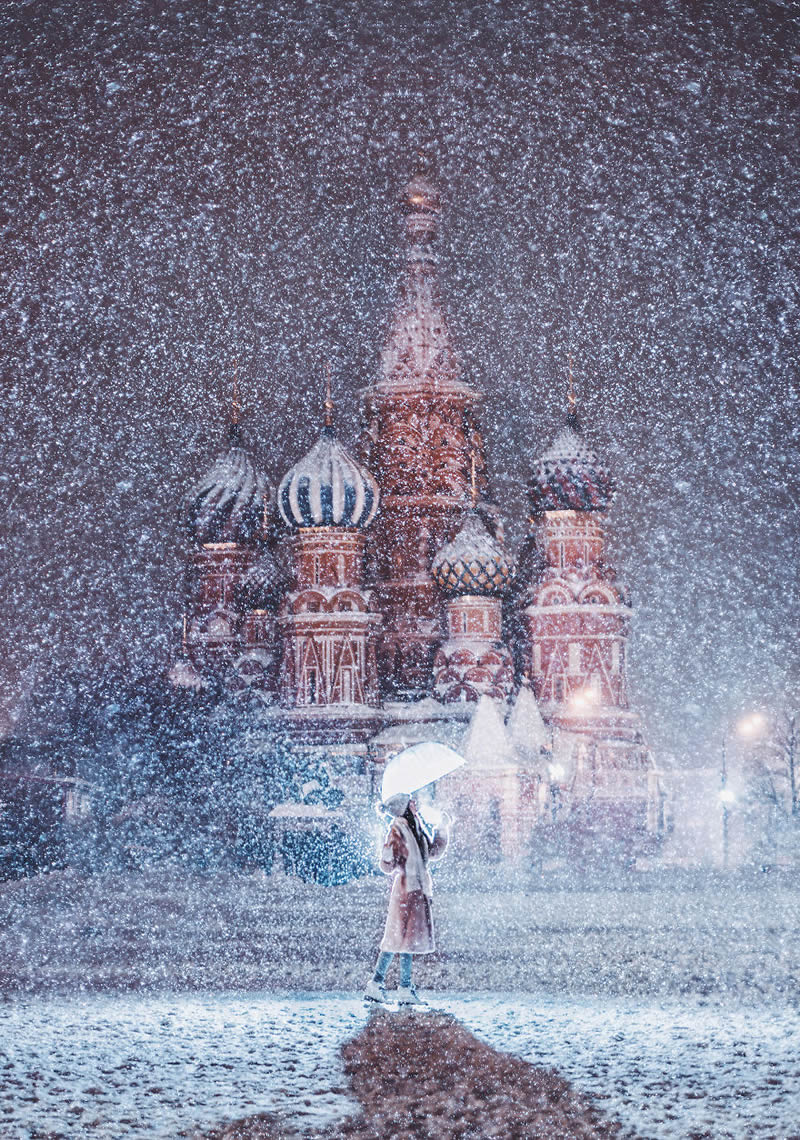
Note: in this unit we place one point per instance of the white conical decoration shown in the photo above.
(486, 743)
(526, 729)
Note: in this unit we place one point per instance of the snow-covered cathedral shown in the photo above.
(372, 603)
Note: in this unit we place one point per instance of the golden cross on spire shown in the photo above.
(473, 479)
(571, 399)
(328, 405)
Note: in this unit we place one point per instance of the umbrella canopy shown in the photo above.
(417, 766)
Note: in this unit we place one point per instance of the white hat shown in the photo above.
(396, 805)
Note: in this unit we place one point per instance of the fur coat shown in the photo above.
(409, 925)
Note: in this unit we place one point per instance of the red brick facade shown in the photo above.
(382, 614)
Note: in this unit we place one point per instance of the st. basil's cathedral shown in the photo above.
(371, 602)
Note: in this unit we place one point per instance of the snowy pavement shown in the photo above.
(129, 1066)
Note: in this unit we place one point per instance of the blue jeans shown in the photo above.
(382, 965)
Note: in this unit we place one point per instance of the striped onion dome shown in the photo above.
(227, 504)
(263, 583)
(570, 477)
(328, 487)
(474, 562)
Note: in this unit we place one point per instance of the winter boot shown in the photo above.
(407, 995)
(375, 992)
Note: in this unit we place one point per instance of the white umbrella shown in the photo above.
(417, 766)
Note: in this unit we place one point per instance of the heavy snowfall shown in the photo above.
(194, 192)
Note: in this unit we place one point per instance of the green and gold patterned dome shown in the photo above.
(474, 562)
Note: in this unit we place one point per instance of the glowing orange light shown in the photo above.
(583, 699)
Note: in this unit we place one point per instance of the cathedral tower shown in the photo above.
(420, 431)
(474, 571)
(576, 620)
(231, 578)
(328, 627)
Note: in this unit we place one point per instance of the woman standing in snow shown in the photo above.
(409, 846)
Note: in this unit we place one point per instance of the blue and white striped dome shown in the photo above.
(328, 488)
(228, 504)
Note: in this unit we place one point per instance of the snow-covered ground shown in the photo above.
(116, 1066)
(224, 931)
(129, 1066)
(675, 1068)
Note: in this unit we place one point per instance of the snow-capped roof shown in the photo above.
(227, 504)
(427, 708)
(474, 562)
(327, 487)
(398, 736)
(569, 476)
(183, 675)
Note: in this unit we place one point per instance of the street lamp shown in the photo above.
(748, 727)
(783, 741)
(726, 797)
(752, 725)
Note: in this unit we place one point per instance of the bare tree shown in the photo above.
(773, 775)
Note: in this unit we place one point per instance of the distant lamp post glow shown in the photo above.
(782, 738)
(557, 773)
(752, 725)
(747, 727)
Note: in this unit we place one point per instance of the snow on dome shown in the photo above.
(570, 477)
(227, 504)
(328, 487)
(473, 563)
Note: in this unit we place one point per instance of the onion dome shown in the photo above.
(569, 476)
(227, 504)
(474, 562)
(328, 487)
(263, 583)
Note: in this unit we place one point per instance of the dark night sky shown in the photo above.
(182, 186)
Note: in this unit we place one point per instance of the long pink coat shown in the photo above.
(409, 924)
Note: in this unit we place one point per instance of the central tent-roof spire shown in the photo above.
(328, 404)
(419, 352)
(572, 400)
